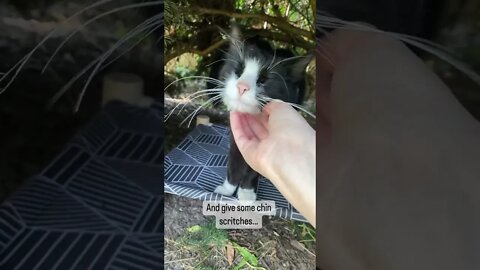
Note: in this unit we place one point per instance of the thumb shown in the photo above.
(244, 138)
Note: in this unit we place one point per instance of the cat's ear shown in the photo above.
(297, 69)
(235, 40)
(298, 74)
(235, 33)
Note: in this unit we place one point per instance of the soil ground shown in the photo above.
(280, 244)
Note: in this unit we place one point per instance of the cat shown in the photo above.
(252, 69)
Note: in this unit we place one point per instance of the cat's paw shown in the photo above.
(222, 190)
(226, 189)
(246, 195)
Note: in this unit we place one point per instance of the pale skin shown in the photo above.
(398, 166)
(280, 145)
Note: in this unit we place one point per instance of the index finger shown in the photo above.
(274, 105)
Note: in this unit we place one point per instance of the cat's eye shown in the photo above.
(262, 77)
(239, 69)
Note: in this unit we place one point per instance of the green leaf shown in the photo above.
(194, 229)
(247, 255)
(240, 265)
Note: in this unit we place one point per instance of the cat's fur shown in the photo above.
(265, 71)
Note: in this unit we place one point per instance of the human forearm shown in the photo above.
(293, 173)
(280, 145)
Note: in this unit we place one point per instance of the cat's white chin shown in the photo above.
(243, 106)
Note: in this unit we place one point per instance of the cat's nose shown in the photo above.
(242, 88)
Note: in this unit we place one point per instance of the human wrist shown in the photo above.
(293, 173)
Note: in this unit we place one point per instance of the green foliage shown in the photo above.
(248, 259)
(205, 237)
(194, 26)
(305, 232)
(182, 71)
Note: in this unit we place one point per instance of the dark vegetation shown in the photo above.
(193, 29)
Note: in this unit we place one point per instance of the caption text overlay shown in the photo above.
(239, 215)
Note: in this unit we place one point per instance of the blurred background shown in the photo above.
(455, 24)
(31, 132)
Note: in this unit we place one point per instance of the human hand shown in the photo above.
(279, 144)
(272, 137)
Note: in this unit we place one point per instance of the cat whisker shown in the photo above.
(211, 90)
(223, 59)
(97, 62)
(131, 47)
(213, 80)
(288, 59)
(238, 48)
(119, 43)
(202, 95)
(82, 26)
(192, 115)
(291, 104)
(20, 64)
(281, 77)
(229, 54)
(423, 44)
(273, 59)
(264, 66)
(234, 43)
(262, 103)
(198, 94)
(332, 22)
(203, 92)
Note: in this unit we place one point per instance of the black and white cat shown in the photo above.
(251, 71)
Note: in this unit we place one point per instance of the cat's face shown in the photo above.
(253, 70)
